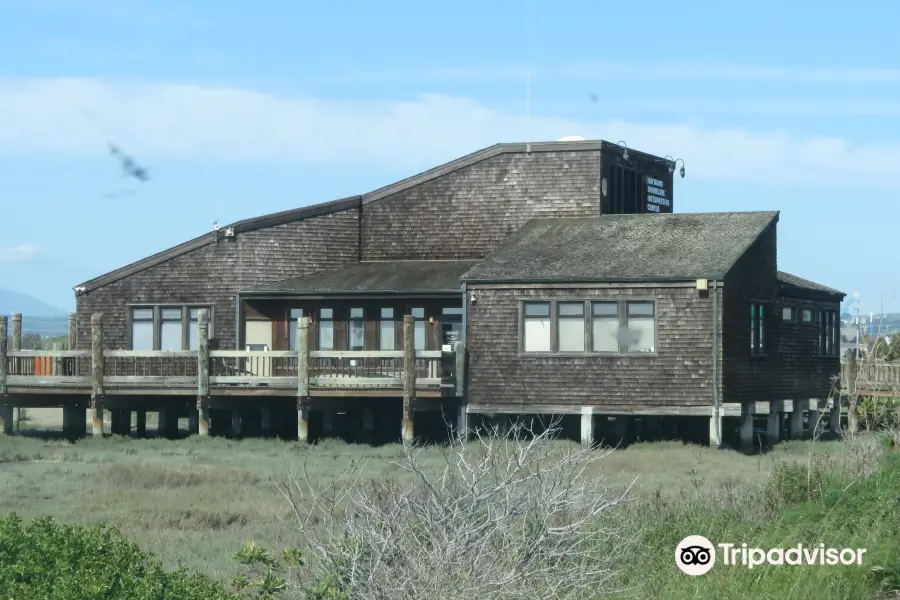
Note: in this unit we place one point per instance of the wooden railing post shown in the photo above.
(303, 379)
(203, 371)
(462, 425)
(409, 377)
(852, 377)
(97, 391)
(17, 367)
(5, 408)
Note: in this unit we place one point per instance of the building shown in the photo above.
(562, 265)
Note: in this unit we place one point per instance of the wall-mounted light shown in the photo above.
(472, 298)
(431, 320)
(674, 164)
(624, 154)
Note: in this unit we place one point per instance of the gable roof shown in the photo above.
(351, 202)
(789, 283)
(270, 220)
(382, 277)
(642, 247)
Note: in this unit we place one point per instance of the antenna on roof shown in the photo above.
(216, 222)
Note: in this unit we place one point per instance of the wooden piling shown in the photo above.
(16, 365)
(140, 427)
(462, 419)
(302, 379)
(5, 408)
(409, 377)
(203, 372)
(97, 391)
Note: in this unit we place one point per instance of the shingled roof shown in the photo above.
(644, 247)
(790, 283)
(388, 277)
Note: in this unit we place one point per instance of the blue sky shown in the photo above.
(239, 112)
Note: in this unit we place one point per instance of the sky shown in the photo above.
(243, 109)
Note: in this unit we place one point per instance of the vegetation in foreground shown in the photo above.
(215, 495)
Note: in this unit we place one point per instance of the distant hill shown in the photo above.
(13, 302)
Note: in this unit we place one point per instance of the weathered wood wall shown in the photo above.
(679, 374)
(467, 213)
(214, 273)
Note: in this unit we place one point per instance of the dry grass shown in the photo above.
(194, 502)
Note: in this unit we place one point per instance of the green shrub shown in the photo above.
(795, 483)
(41, 560)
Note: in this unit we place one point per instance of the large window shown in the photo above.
(142, 329)
(612, 327)
(326, 329)
(757, 328)
(536, 328)
(386, 329)
(419, 328)
(640, 327)
(169, 328)
(605, 326)
(829, 333)
(570, 329)
(294, 317)
(357, 330)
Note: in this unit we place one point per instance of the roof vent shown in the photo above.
(229, 232)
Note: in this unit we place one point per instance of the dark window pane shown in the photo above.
(605, 309)
(537, 309)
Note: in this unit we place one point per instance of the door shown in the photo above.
(451, 327)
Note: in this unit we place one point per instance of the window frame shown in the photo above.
(157, 322)
(829, 333)
(323, 319)
(812, 316)
(758, 337)
(292, 326)
(381, 322)
(793, 314)
(588, 302)
(356, 321)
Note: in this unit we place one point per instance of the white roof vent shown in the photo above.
(571, 138)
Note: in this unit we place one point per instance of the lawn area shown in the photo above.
(194, 502)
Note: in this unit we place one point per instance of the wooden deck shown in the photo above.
(229, 372)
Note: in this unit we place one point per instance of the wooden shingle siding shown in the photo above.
(804, 372)
(753, 278)
(214, 273)
(680, 373)
(467, 213)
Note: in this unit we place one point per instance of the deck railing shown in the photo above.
(204, 369)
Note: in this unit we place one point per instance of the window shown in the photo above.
(326, 329)
(757, 329)
(194, 326)
(142, 329)
(386, 329)
(641, 327)
(808, 316)
(829, 328)
(537, 327)
(294, 317)
(170, 329)
(570, 329)
(419, 328)
(357, 334)
(788, 313)
(605, 326)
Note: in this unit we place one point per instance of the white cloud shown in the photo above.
(19, 253)
(187, 121)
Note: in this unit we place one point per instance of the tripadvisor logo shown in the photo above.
(696, 555)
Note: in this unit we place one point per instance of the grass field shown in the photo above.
(194, 502)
